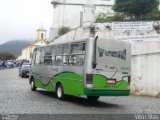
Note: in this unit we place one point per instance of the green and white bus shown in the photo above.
(92, 67)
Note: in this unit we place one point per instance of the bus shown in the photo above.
(91, 67)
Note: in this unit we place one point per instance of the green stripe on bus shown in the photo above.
(73, 85)
(100, 81)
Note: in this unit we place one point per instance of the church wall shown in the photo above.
(72, 16)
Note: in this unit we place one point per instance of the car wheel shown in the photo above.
(33, 87)
(59, 92)
(21, 75)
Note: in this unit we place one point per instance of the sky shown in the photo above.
(19, 19)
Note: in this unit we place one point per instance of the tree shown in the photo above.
(154, 15)
(6, 56)
(135, 8)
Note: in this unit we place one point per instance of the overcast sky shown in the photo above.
(19, 19)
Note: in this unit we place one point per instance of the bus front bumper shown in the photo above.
(106, 92)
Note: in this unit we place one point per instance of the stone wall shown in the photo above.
(146, 68)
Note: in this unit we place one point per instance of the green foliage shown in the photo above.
(7, 56)
(132, 10)
(135, 8)
(154, 15)
(101, 17)
(63, 30)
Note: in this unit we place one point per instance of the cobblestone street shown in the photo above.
(17, 98)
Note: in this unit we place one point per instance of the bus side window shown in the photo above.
(62, 53)
(48, 56)
(76, 60)
(65, 54)
(58, 56)
(77, 54)
(72, 60)
(53, 52)
(58, 60)
(83, 47)
(38, 57)
(42, 53)
(33, 57)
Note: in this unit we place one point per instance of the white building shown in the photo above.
(71, 13)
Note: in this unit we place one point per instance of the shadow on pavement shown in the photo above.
(83, 101)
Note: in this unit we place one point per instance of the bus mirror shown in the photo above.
(94, 64)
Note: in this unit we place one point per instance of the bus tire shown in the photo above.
(33, 87)
(59, 92)
(92, 98)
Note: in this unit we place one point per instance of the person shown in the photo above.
(3, 64)
(22, 63)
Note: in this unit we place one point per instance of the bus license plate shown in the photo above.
(111, 81)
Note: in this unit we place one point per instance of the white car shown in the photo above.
(24, 70)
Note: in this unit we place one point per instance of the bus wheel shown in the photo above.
(93, 98)
(59, 92)
(33, 87)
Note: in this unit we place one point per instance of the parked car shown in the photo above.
(9, 64)
(24, 70)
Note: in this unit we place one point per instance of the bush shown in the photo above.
(63, 30)
(153, 15)
(101, 18)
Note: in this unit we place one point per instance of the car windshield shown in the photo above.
(25, 67)
(26, 63)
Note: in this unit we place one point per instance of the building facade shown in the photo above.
(72, 13)
(40, 41)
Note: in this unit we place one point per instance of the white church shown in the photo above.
(41, 40)
(71, 13)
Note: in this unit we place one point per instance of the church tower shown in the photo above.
(41, 34)
(41, 40)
